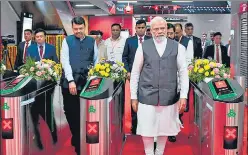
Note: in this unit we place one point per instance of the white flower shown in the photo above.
(50, 71)
(46, 66)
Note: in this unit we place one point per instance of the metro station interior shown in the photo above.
(42, 113)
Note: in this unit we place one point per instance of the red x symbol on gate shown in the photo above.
(231, 133)
(92, 128)
(7, 125)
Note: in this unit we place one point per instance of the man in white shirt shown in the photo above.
(115, 44)
(158, 62)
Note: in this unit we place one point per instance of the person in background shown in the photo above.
(189, 28)
(148, 32)
(43, 102)
(115, 44)
(153, 90)
(185, 41)
(102, 49)
(205, 42)
(212, 37)
(22, 49)
(217, 51)
(170, 31)
(228, 47)
(130, 48)
(77, 54)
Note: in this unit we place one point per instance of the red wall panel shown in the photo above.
(104, 23)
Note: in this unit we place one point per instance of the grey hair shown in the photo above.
(157, 19)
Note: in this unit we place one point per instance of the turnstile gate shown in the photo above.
(218, 118)
(101, 117)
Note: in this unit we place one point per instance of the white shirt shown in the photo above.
(25, 45)
(44, 49)
(143, 39)
(215, 56)
(189, 52)
(115, 48)
(229, 51)
(181, 65)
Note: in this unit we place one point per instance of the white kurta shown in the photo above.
(159, 120)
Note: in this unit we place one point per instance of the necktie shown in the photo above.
(25, 53)
(41, 52)
(141, 39)
(217, 54)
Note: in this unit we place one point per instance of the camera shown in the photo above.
(9, 39)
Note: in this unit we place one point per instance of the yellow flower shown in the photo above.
(195, 69)
(206, 73)
(198, 62)
(107, 70)
(91, 71)
(102, 73)
(206, 67)
(212, 72)
(106, 74)
(201, 70)
(97, 69)
(205, 61)
(102, 67)
(107, 65)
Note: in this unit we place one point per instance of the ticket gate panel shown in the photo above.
(16, 107)
(101, 118)
(219, 128)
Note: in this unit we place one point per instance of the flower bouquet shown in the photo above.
(108, 69)
(201, 69)
(42, 70)
(2, 68)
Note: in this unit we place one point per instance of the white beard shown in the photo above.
(159, 39)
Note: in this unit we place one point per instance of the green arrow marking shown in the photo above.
(231, 113)
(92, 109)
(5, 106)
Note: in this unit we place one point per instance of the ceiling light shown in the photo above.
(83, 5)
(126, 1)
(211, 20)
(182, 1)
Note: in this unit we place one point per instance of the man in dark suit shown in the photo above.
(217, 51)
(22, 49)
(189, 28)
(128, 55)
(42, 104)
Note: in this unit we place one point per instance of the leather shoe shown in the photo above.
(172, 138)
(155, 145)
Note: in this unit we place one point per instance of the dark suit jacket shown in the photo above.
(50, 52)
(129, 52)
(197, 47)
(19, 56)
(210, 51)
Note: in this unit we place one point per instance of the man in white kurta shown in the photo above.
(157, 120)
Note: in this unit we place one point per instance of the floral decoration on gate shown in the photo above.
(200, 69)
(42, 70)
(108, 69)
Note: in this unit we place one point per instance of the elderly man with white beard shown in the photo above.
(157, 64)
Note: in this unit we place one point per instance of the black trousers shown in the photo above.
(43, 106)
(72, 113)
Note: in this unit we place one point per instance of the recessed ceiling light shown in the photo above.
(210, 20)
(83, 5)
(126, 1)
